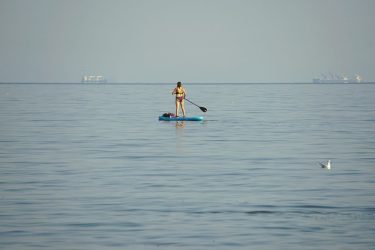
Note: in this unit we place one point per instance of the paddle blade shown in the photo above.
(203, 109)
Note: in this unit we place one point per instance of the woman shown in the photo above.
(180, 93)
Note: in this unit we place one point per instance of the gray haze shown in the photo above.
(186, 40)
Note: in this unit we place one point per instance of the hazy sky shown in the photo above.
(185, 40)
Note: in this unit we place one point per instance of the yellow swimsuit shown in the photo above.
(182, 93)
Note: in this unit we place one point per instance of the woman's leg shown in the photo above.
(183, 107)
(177, 107)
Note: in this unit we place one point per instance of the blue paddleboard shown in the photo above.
(180, 118)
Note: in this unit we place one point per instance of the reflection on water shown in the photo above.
(180, 124)
(180, 136)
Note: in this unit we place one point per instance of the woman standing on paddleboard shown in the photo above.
(180, 93)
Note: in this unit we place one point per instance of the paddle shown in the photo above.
(202, 108)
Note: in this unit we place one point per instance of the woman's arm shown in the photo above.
(174, 91)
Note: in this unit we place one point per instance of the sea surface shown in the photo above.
(90, 167)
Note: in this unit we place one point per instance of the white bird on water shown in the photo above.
(326, 164)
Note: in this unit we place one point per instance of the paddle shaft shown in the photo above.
(202, 108)
(191, 102)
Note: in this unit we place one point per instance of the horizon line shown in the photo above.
(167, 83)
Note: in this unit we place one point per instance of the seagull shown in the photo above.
(326, 164)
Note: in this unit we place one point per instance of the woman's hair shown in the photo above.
(179, 84)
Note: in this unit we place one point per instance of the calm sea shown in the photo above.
(91, 167)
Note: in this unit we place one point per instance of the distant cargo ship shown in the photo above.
(93, 79)
(338, 79)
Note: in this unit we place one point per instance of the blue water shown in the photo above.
(91, 167)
